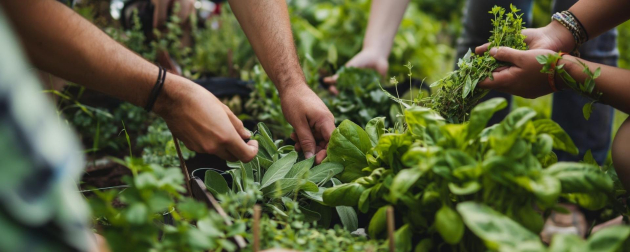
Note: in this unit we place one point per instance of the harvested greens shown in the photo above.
(457, 94)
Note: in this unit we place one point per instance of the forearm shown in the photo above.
(385, 17)
(267, 26)
(61, 42)
(600, 16)
(612, 83)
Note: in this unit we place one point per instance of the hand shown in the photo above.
(554, 37)
(523, 78)
(202, 122)
(365, 59)
(311, 119)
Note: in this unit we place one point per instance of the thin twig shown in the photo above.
(390, 228)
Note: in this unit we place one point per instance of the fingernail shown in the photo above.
(493, 51)
(248, 134)
(308, 155)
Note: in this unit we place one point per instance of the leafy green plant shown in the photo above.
(430, 168)
(282, 178)
(457, 93)
(360, 97)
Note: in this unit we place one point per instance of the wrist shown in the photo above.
(376, 51)
(561, 36)
(175, 90)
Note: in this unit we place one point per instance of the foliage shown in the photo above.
(587, 88)
(158, 146)
(282, 179)
(264, 105)
(360, 97)
(456, 94)
(432, 167)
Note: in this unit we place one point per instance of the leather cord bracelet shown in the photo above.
(155, 92)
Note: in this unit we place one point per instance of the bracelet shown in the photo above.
(569, 21)
(551, 76)
(155, 92)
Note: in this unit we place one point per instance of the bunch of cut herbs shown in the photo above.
(456, 94)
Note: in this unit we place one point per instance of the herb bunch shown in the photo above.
(457, 93)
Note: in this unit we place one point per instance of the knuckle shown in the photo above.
(210, 148)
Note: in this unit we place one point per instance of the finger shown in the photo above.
(506, 54)
(482, 48)
(331, 80)
(305, 138)
(225, 155)
(320, 157)
(237, 123)
(529, 35)
(326, 128)
(298, 147)
(243, 151)
(333, 90)
(499, 79)
(294, 136)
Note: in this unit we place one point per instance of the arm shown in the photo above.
(385, 17)
(524, 78)
(59, 41)
(267, 26)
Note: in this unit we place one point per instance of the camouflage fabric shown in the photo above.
(40, 163)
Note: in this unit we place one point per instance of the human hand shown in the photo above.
(554, 37)
(523, 77)
(365, 59)
(311, 119)
(202, 122)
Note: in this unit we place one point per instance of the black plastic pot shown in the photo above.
(201, 174)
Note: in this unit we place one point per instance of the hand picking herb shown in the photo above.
(457, 95)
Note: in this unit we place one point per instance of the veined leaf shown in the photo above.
(284, 186)
(449, 224)
(348, 145)
(375, 128)
(279, 169)
(320, 172)
(580, 177)
(348, 217)
(215, 183)
(561, 140)
(299, 168)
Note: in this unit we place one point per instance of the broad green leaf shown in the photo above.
(591, 201)
(561, 140)
(321, 172)
(403, 181)
(587, 110)
(375, 128)
(467, 87)
(402, 238)
(348, 217)
(364, 201)
(137, 213)
(545, 188)
(378, 223)
(567, 243)
(348, 145)
(418, 118)
(279, 169)
(589, 159)
(343, 195)
(315, 196)
(267, 148)
(497, 231)
(449, 224)
(300, 168)
(609, 239)
(467, 188)
(215, 183)
(391, 148)
(310, 215)
(425, 245)
(324, 211)
(482, 113)
(580, 177)
(285, 186)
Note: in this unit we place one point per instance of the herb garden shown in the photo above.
(412, 166)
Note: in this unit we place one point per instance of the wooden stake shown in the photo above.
(390, 228)
(183, 165)
(257, 211)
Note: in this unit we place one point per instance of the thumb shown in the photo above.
(506, 54)
(306, 139)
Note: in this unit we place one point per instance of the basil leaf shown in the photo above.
(561, 140)
(215, 183)
(449, 224)
(279, 169)
(348, 146)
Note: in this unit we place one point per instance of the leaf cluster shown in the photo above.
(434, 166)
(457, 93)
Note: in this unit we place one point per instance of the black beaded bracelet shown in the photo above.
(155, 92)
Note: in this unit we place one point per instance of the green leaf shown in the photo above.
(300, 168)
(587, 110)
(285, 186)
(580, 177)
(348, 217)
(279, 169)
(402, 238)
(608, 239)
(137, 213)
(467, 87)
(497, 231)
(482, 113)
(215, 183)
(348, 146)
(567, 243)
(310, 215)
(449, 224)
(343, 195)
(561, 140)
(267, 148)
(375, 128)
(591, 201)
(332, 54)
(545, 188)
(402, 182)
(378, 223)
(467, 188)
(419, 118)
(321, 172)
(589, 159)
